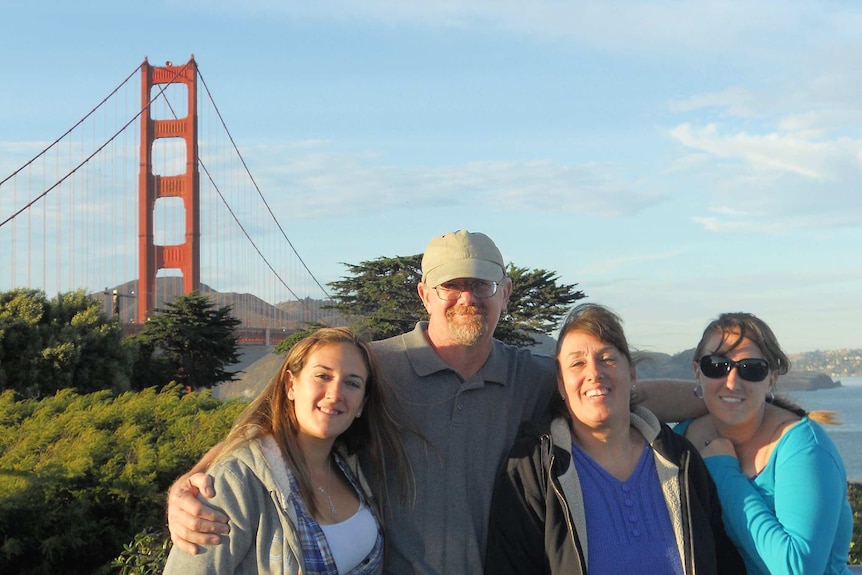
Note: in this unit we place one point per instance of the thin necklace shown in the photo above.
(328, 488)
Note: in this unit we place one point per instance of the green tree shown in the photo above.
(536, 305)
(380, 299)
(62, 343)
(190, 341)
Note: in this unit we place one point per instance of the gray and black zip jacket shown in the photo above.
(538, 524)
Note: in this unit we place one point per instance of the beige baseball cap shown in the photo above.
(462, 254)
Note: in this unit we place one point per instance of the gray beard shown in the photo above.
(468, 334)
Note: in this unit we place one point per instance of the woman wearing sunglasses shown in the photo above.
(780, 479)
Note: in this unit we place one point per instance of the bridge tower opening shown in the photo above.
(152, 187)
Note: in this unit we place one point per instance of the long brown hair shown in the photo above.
(376, 432)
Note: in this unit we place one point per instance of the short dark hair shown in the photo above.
(601, 322)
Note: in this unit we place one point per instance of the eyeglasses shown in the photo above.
(749, 369)
(480, 288)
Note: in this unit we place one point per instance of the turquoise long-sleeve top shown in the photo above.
(794, 516)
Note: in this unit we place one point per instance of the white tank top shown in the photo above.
(351, 540)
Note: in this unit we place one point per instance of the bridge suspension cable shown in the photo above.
(232, 212)
(69, 131)
(263, 199)
(45, 150)
(84, 227)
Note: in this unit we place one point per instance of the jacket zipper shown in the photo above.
(686, 507)
(561, 498)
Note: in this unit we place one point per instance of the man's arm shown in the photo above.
(191, 521)
(671, 400)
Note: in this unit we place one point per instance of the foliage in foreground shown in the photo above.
(854, 493)
(381, 300)
(147, 554)
(80, 475)
(59, 343)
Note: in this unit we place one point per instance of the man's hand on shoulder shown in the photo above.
(190, 520)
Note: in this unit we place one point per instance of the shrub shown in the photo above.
(146, 554)
(854, 493)
(80, 475)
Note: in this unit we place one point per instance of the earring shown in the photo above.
(770, 397)
(290, 394)
(698, 391)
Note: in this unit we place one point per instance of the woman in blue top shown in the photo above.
(781, 481)
(604, 488)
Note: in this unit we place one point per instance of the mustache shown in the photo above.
(465, 310)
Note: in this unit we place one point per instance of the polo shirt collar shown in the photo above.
(425, 360)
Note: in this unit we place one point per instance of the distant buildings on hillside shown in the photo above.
(836, 363)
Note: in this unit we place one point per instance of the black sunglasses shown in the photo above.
(750, 369)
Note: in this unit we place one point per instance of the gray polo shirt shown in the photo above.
(470, 425)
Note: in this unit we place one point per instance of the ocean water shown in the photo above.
(846, 401)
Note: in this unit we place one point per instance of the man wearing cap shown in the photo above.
(466, 392)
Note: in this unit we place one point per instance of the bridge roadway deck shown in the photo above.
(247, 335)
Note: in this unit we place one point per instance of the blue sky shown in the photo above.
(674, 159)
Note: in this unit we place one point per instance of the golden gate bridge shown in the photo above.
(147, 196)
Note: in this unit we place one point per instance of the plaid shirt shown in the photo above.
(316, 554)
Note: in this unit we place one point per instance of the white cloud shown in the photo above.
(342, 184)
(790, 152)
(309, 144)
(675, 310)
(717, 225)
(774, 181)
(821, 122)
(730, 211)
(605, 266)
(737, 101)
(714, 27)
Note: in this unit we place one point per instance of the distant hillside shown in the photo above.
(258, 364)
(837, 363)
(679, 366)
(250, 309)
(810, 370)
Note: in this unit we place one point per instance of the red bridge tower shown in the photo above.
(151, 187)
